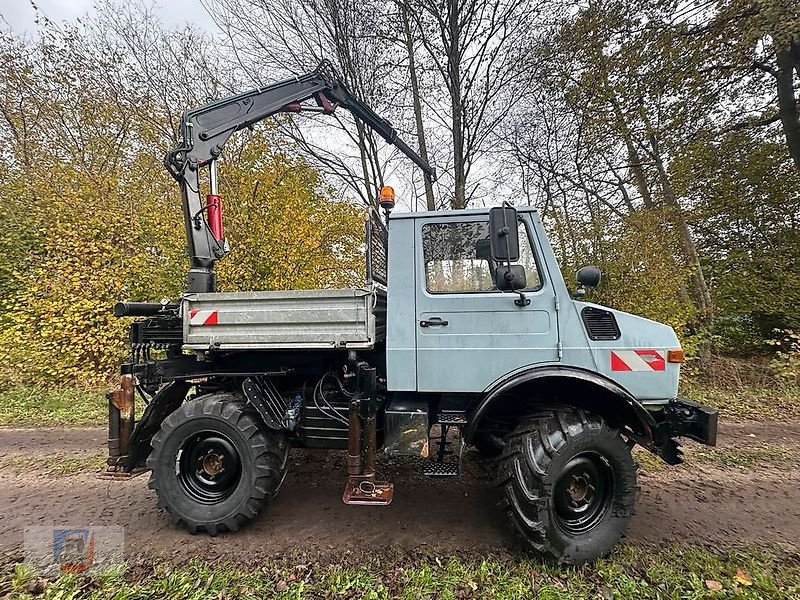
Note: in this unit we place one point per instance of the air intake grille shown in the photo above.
(600, 324)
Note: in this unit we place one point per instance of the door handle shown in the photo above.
(433, 322)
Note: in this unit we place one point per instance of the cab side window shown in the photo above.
(458, 258)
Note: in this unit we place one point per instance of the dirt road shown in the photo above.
(713, 499)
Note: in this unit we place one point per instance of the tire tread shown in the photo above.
(269, 451)
(523, 474)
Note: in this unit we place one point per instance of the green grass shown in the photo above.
(41, 407)
(742, 457)
(633, 572)
(58, 464)
(745, 457)
(774, 403)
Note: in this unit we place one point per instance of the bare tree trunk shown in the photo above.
(702, 292)
(634, 158)
(788, 61)
(454, 80)
(364, 164)
(412, 69)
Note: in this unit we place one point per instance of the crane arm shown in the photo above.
(206, 129)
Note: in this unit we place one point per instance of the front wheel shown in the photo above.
(569, 484)
(213, 467)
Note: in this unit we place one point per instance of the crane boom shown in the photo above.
(206, 129)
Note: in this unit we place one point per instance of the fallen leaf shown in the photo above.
(281, 586)
(713, 584)
(743, 577)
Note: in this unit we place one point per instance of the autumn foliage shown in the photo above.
(90, 216)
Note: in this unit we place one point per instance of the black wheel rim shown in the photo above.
(209, 467)
(583, 493)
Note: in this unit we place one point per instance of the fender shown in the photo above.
(165, 402)
(509, 382)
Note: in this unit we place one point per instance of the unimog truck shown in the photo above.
(462, 335)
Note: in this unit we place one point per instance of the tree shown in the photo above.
(632, 100)
(99, 218)
(279, 38)
(747, 222)
(475, 49)
(759, 43)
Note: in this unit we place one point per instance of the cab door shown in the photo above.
(469, 333)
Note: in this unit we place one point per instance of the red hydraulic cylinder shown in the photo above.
(214, 208)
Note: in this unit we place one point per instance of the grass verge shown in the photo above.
(57, 464)
(633, 572)
(741, 457)
(30, 406)
(773, 403)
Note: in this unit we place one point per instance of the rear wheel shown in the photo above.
(213, 467)
(569, 484)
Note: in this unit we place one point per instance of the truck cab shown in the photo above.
(451, 329)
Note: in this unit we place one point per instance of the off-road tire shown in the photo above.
(540, 454)
(262, 456)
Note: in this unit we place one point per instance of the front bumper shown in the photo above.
(684, 418)
(681, 418)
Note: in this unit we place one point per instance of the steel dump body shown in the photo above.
(353, 318)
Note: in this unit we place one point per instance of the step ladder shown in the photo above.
(443, 465)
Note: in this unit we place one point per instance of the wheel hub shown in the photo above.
(212, 463)
(583, 493)
(580, 489)
(209, 467)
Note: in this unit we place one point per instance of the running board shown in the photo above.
(435, 468)
(451, 418)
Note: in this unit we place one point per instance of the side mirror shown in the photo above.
(588, 276)
(510, 278)
(503, 236)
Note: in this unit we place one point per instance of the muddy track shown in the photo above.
(689, 503)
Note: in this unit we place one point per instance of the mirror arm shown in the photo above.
(523, 300)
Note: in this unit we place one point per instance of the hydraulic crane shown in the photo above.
(205, 130)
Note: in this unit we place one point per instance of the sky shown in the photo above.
(20, 15)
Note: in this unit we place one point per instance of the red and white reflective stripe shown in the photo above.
(638, 360)
(202, 317)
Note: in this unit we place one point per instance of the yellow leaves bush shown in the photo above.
(89, 216)
(644, 274)
(285, 231)
(641, 261)
(97, 240)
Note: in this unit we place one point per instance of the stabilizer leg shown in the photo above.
(362, 487)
